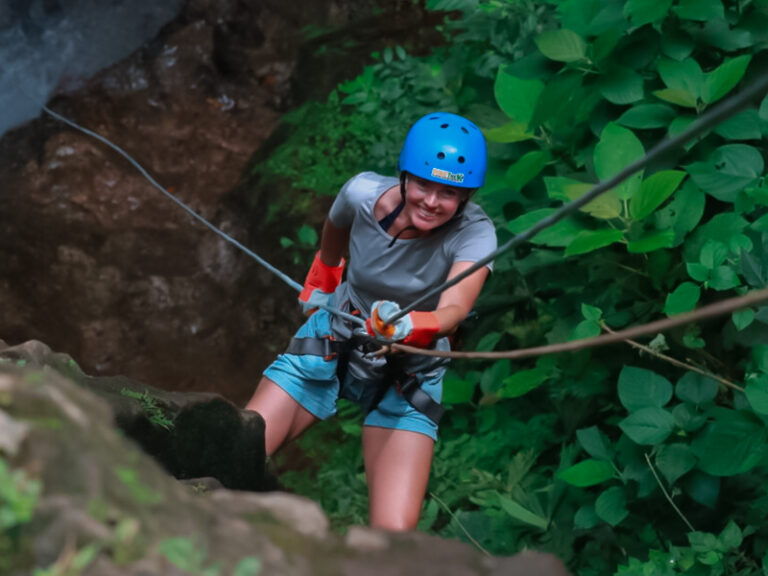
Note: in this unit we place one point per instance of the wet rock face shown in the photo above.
(100, 264)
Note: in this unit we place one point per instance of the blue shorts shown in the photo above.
(313, 383)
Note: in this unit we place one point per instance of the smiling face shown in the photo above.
(429, 205)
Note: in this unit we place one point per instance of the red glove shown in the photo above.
(320, 284)
(415, 329)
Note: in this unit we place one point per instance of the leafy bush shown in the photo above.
(631, 464)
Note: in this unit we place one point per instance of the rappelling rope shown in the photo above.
(715, 115)
(284, 277)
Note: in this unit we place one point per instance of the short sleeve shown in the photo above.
(348, 201)
(475, 240)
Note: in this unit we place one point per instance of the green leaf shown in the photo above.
(585, 329)
(677, 44)
(250, 565)
(702, 488)
(594, 443)
(696, 388)
(591, 313)
(562, 45)
(697, 271)
(642, 12)
(560, 235)
(590, 240)
(727, 171)
(517, 97)
(674, 461)
(641, 388)
(700, 10)
(654, 191)
(732, 444)
(743, 318)
(605, 206)
(731, 537)
(683, 213)
(742, 126)
(647, 116)
(522, 514)
(587, 473)
(611, 506)
(307, 235)
(622, 86)
(757, 394)
(488, 341)
(648, 426)
(683, 299)
(652, 242)
(687, 418)
(509, 132)
(723, 278)
(684, 81)
(527, 168)
(586, 517)
(723, 78)
(457, 390)
(618, 147)
(523, 382)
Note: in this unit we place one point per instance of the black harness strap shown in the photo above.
(408, 385)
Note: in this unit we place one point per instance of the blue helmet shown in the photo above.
(445, 148)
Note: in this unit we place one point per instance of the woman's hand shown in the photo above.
(415, 328)
(320, 284)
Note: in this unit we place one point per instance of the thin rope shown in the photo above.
(284, 277)
(714, 116)
(703, 313)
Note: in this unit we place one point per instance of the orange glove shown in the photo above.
(415, 329)
(320, 284)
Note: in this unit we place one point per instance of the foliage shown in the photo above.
(149, 405)
(629, 465)
(18, 498)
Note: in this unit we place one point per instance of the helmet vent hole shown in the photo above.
(464, 130)
(440, 155)
(461, 159)
(434, 117)
(443, 125)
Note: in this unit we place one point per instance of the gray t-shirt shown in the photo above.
(410, 267)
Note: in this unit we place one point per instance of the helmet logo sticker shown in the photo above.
(445, 175)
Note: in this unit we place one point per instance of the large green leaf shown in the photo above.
(618, 147)
(648, 426)
(611, 506)
(684, 82)
(510, 132)
(682, 299)
(562, 45)
(674, 461)
(590, 240)
(559, 236)
(646, 116)
(696, 388)
(594, 443)
(721, 227)
(522, 514)
(517, 97)
(641, 388)
(654, 191)
(742, 126)
(522, 382)
(587, 473)
(757, 394)
(700, 10)
(642, 12)
(723, 78)
(605, 206)
(728, 170)
(733, 443)
(586, 517)
(527, 168)
(622, 86)
(651, 242)
(688, 418)
(683, 213)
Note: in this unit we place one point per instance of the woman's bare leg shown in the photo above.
(284, 418)
(397, 464)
